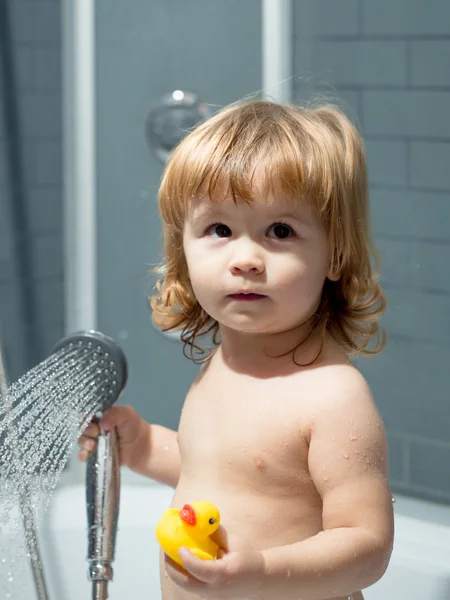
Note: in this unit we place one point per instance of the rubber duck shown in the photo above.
(189, 527)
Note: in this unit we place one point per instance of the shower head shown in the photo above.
(93, 349)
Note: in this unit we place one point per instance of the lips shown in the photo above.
(247, 296)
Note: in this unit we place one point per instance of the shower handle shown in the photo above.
(102, 501)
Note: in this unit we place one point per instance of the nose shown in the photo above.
(246, 259)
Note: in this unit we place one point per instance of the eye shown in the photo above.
(220, 229)
(281, 230)
(212, 521)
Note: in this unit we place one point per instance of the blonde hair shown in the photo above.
(310, 153)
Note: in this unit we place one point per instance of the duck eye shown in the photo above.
(212, 520)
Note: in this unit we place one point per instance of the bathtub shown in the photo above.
(419, 568)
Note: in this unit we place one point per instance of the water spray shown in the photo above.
(41, 417)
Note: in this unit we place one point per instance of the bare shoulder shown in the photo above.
(345, 410)
(336, 388)
(342, 382)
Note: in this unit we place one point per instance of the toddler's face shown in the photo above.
(275, 249)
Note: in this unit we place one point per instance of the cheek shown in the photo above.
(204, 291)
(306, 273)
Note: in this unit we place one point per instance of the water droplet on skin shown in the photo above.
(345, 455)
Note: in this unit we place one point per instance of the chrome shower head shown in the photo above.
(93, 348)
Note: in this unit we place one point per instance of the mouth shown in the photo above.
(247, 296)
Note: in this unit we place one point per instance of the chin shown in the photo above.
(248, 326)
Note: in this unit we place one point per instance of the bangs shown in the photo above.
(252, 153)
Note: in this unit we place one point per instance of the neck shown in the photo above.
(266, 353)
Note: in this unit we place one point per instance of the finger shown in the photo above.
(92, 430)
(86, 443)
(208, 571)
(220, 537)
(83, 455)
(181, 577)
(124, 417)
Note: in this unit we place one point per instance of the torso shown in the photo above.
(244, 446)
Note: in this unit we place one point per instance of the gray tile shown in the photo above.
(41, 114)
(48, 256)
(427, 311)
(411, 387)
(48, 165)
(406, 17)
(51, 335)
(9, 304)
(396, 456)
(430, 165)
(5, 247)
(25, 68)
(35, 22)
(415, 264)
(335, 18)
(407, 113)
(387, 162)
(361, 62)
(48, 69)
(319, 92)
(430, 462)
(395, 260)
(349, 102)
(410, 213)
(45, 206)
(429, 267)
(3, 172)
(50, 302)
(438, 498)
(430, 62)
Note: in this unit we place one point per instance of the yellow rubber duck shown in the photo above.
(189, 527)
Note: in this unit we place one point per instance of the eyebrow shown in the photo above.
(205, 213)
(218, 212)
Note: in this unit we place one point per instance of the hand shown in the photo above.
(128, 425)
(235, 575)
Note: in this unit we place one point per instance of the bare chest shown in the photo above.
(245, 428)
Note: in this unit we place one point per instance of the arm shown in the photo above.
(348, 465)
(156, 454)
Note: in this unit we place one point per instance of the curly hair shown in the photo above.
(313, 154)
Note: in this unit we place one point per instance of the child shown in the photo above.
(266, 235)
